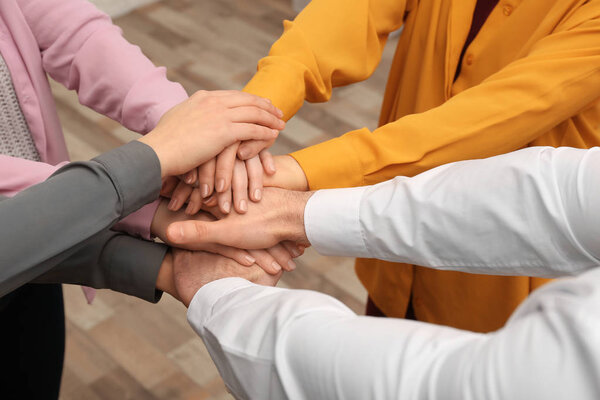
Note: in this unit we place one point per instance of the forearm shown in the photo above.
(90, 196)
(317, 348)
(314, 344)
(554, 81)
(330, 43)
(533, 212)
(110, 260)
(84, 51)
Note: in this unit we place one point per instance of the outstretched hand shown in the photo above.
(279, 217)
(200, 128)
(192, 270)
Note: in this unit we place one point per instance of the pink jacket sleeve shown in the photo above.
(17, 174)
(82, 49)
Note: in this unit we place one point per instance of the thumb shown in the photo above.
(189, 232)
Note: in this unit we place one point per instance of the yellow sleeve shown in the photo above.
(330, 43)
(556, 80)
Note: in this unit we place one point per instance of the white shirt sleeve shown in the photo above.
(271, 343)
(532, 212)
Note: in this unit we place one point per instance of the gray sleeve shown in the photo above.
(111, 260)
(40, 227)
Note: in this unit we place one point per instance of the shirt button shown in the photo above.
(469, 59)
(507, 9)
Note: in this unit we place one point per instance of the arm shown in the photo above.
(306, 345)
(17, 174)
(555, 80)
(118, 182)
(83, 50)
(55, 215)
(330, 43)
(110, 260)
(532, 212)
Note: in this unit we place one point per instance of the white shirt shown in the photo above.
(532, 212)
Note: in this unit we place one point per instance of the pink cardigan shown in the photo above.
(78, 46)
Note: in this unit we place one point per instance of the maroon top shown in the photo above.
(480, 15)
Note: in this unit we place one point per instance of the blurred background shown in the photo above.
(124, 348)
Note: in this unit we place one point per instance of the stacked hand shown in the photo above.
(212, 147)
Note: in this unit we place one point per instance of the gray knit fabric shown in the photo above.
(15, 137)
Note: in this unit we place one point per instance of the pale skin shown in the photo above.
(278, 218)
(272, 260)
(200, 128)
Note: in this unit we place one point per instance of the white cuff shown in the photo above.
(332, 222)
(201, 307)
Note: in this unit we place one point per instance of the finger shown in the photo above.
(240, 187)
(241, 256)
(244, 131)
(283, 257)
(295, 250)
(256, 115)
(252, 148)
(206, 177)
(210, 202)
(266, 261)
(194, 202)
(169, 184)
(234, 98)
(180, 196)
(190, 177)
(224, 201)
(254, 170)
(197, 233)
(213, 208)
(224, 168)
(266, 158)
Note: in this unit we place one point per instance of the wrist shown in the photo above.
(164, 280)
(294, 220)
(289, 175)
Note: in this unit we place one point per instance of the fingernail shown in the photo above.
(251, 260)
(279, 113)
(276, 266)
(243, 153)
(173, 204)
(220, 185)
(275, 132)
(292, 265)
(205, 190)
(243, 205)
(271, 166)
(189, 209)
(175, 234)
(226, 207)
(258, 194)
(188, 179)
(296, 253)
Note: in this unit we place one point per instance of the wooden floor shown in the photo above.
(124, 348)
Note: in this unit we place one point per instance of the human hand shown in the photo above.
(244, 184)
(192, 270)
(272, 260)
(164, 280)
(289, 175)
(201, 127)
(279, 217)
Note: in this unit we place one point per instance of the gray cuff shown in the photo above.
(134, 266)
(135, 189)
